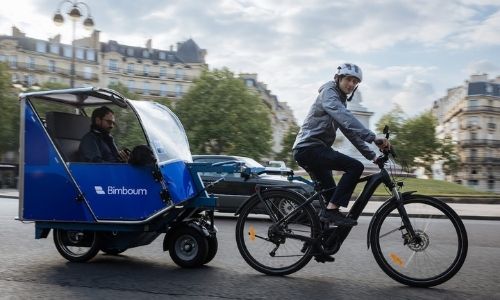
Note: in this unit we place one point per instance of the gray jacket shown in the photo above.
(329, 113)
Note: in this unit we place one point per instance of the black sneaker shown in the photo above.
(322, 258)
(335, 217)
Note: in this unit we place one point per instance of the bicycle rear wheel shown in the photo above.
(263, 245)
(434, 256)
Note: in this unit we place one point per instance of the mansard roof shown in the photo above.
(187, 52)
(483, 88)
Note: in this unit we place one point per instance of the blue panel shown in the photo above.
(118, 191)
(49, 193)
(179, 181)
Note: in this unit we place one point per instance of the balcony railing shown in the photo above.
(479, 142)
(482, 160)
(37, 68)
(150, 74)
(157, 93)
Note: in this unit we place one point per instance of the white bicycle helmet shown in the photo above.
(347, 69)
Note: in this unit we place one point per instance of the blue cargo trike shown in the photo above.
(111, 207)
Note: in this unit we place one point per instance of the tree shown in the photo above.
(221, 116)
(9, 113)
(415, 141)
(286, 153)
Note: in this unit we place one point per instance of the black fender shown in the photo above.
(201, 225)
(384, 205)
(268, 189)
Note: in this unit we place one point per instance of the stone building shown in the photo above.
(469, 114)
(145, 70)
(281, 114)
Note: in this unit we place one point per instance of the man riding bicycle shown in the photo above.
(313, 146)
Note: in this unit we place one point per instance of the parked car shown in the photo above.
(234, 189)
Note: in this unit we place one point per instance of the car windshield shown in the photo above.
(164, 131)
(249, 162)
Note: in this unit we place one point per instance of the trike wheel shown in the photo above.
(213, 246)
(433, 256)
(76, 246)
(188, 247)
(269, 248)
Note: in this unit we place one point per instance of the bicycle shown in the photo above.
(417, 240)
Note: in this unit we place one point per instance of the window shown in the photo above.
(113, 65)
(162, 55)
(28, 80)
(473, 154)
(146, 70)
(473, 121)
(130, 68)
(489, 89)
(178, 90)
(13, 61)
(130, 51)
(15, 78)
(491, 183)
(145, 53)
(52, 66)
(163, 72)
(179, 73)
(54, 48)
(146, 88)
(67, 51)
(473, 103)
(473, 135)
(80, 53)
(2, 58)
(131, 85)
(41, 47)
(87, 72)
(249, 82)
(472, 183)
(163, 89)
(90, 54)
(30, 63)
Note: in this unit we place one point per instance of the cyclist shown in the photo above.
(313, 146)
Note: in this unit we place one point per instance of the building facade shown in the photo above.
(470, 115)
(150, 72)
(281, 115)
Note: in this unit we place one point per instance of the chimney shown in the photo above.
(148, 44)
(56, 39)
(479, 77)
(17, 33)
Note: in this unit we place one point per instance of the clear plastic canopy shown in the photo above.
(163, 130)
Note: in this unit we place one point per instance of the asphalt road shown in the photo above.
(32, 268)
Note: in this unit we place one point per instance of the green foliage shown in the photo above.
(286, 153)
(9, 113)
(221, 116)
(415, 141)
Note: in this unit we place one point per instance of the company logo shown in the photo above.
(112, 190)
(99, 190)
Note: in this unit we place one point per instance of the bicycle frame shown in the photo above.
(339, 234)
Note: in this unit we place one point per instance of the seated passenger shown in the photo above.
(98, 144)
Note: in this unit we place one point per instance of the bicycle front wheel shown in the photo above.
(264, 245)
(433, 256)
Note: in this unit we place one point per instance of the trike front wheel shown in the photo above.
(436, 252)
(76, 246)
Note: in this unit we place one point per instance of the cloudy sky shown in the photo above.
(411, 52)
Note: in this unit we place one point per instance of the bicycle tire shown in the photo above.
(432, 259)
(254, 243)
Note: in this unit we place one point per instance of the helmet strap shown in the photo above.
(352, 94)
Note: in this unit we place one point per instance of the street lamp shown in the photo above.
(74, 9)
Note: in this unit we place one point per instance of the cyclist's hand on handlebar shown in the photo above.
(382, 143)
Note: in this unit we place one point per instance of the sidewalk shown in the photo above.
(470, 210)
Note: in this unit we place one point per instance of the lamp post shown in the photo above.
(73, 10)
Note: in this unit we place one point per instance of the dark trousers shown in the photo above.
(319, 161)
